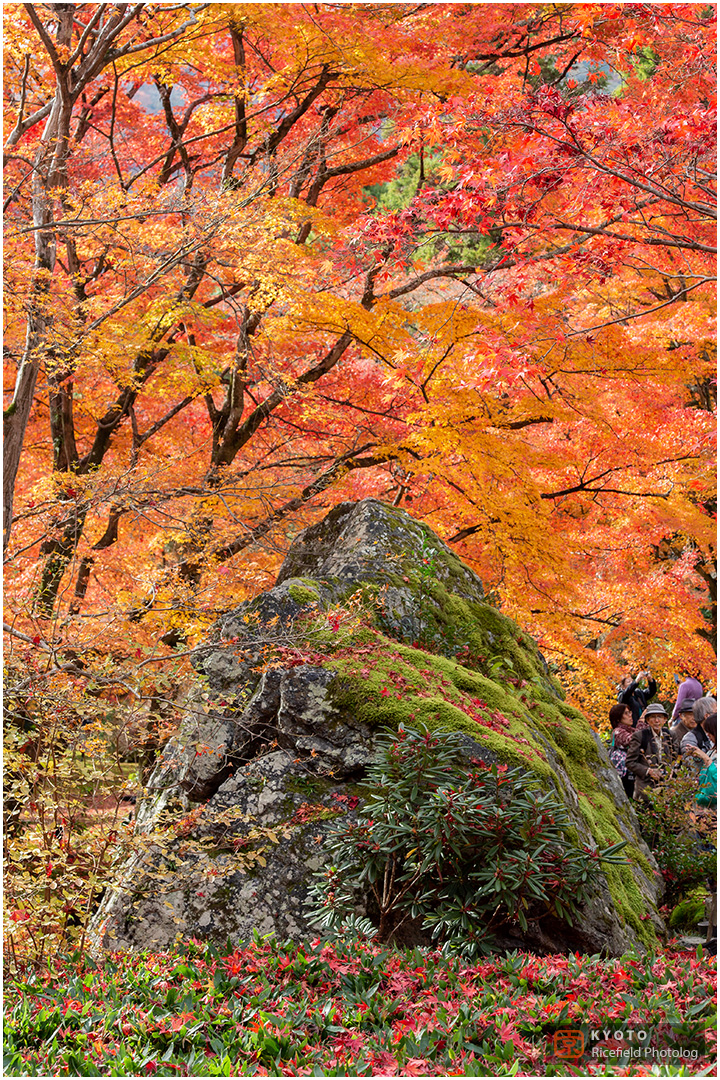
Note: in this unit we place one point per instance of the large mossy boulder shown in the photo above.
(373, 622)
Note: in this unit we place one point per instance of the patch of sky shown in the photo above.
(148, 98)
(580, 71)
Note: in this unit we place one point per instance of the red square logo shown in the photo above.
(569, 1044)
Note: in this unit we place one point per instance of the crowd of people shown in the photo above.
(645, 750)
(648, 751)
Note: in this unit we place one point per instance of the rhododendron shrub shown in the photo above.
(682, 835)
(457, 851)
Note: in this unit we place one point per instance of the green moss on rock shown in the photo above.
(689, 912)
(304, 591)
(389, 683)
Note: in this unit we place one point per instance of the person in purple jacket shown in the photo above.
(690, 687)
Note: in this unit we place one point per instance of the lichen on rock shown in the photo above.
(373, 622)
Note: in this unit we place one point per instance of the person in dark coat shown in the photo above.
(634, 695)
(651, 753)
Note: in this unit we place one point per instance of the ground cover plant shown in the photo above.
(352, 1008)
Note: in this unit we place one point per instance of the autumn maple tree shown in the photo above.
(261, 259)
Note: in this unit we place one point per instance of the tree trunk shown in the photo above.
(39, 320)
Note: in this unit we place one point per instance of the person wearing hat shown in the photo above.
(651, 752)
(687, 732)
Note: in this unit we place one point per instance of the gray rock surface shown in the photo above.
(231, 827)
(369, 541)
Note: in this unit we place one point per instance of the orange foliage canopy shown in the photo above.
(264, 258)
